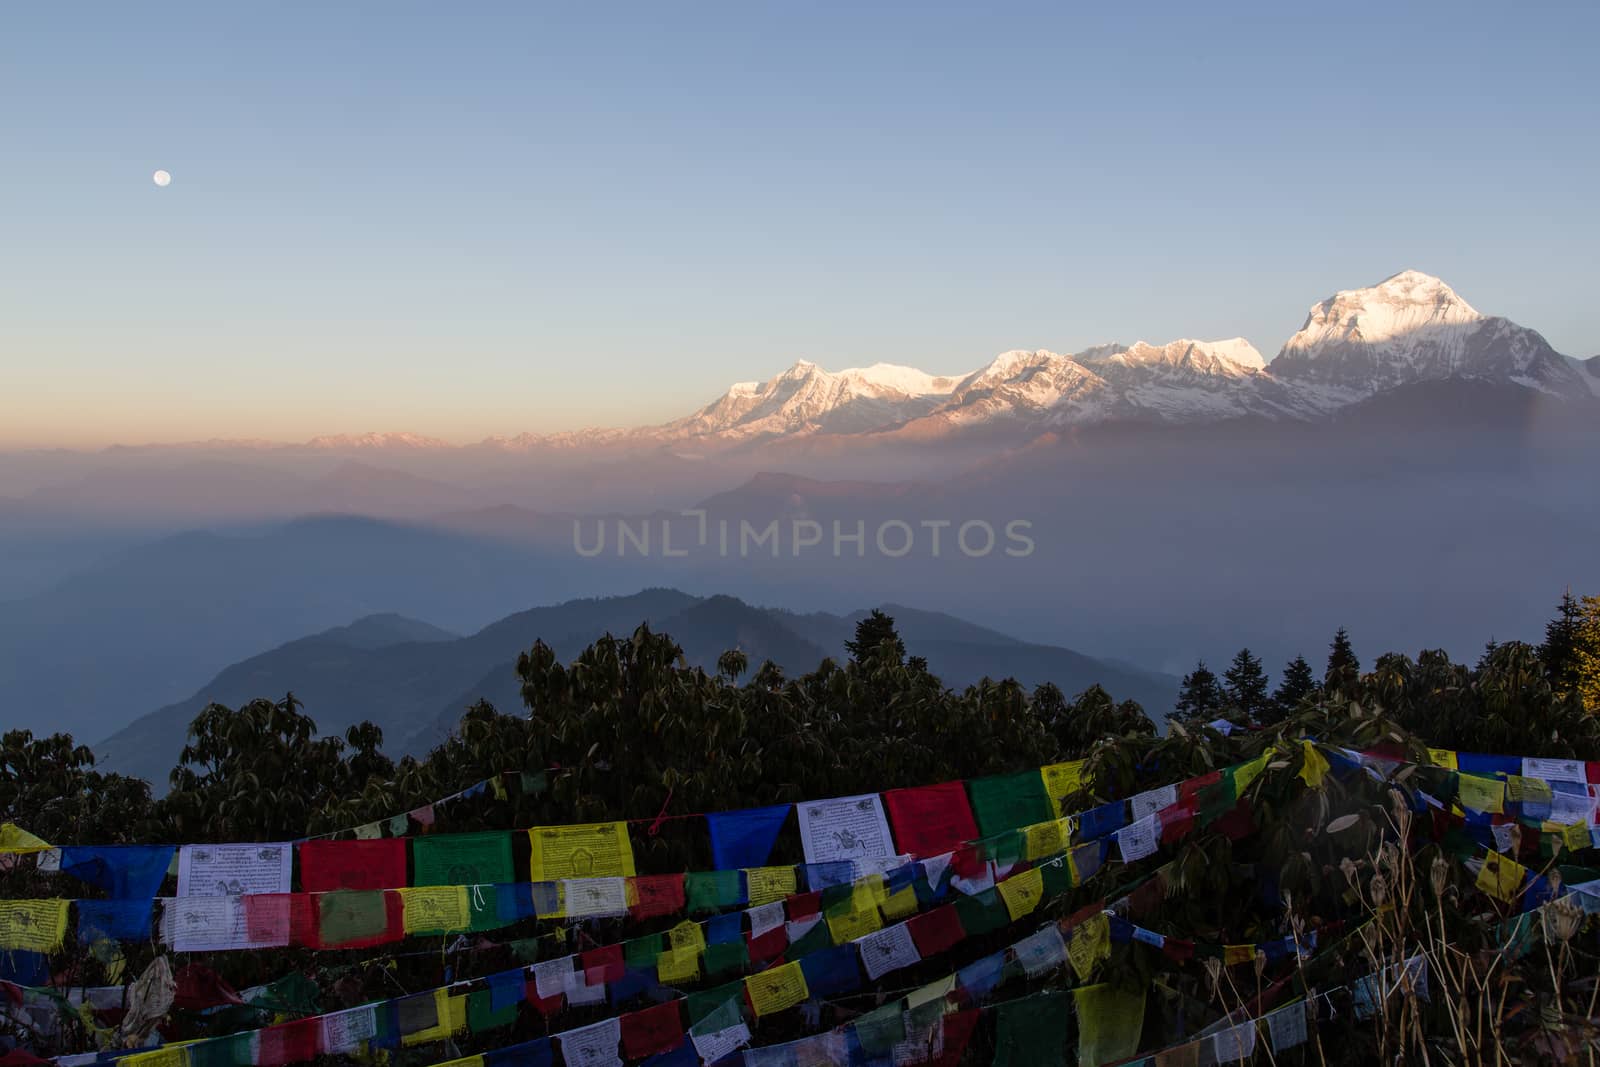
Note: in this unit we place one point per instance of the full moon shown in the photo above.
(161, 178)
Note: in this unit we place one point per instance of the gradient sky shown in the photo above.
(487, 219)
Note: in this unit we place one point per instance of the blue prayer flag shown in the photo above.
(114, 920)
(832, 971)
(126, 871)
(745, 838)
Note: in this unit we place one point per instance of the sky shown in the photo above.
(469, 220)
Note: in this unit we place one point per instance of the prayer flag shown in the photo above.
(745, 838)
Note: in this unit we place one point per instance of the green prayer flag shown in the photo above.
(1009, 801)
(982, 913)
(1217, 799)
(815, 939)
(1057, 874)
(880, 1030)
(729, 956)
(713, 890)
(1032, 1032)
(483, 907)
(348, 915)
(237, 1050)
(1109, 1024)
(1007, 849)
(399, 826)
(640, 953)
(481, 1015)
(534, 783)
(462, 859)
(716, 1009)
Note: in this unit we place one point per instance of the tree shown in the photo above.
(1200, 697)
(49, 786)
(731, 664)
(1588, 655)
(1343, 667)
(1560, 648)
(872, 632)
(1247, 685)
(1297, 684)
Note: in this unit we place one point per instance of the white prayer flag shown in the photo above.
(1042, 952)
(1569, 808)
(1139, 839)
(230, 870)
(845, 828)
(595, 898)
(1153, 800)
(766, 918)
(1235, 1043)
(921, 1045)
(217, 924)
(714, 1046)
(592, 1046)
(888, 949)
(344, 1032)
(1287, 1026)
(553, 977)
(1554, 770)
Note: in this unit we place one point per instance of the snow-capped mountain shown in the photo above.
(806, 399)
(1414, 328)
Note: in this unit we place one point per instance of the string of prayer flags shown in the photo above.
(124, 871)
(1109, 1024)
(1062, 781)
(1010, 802)
(372, 864)
(776, 990)
(1500, 877)
(745, 838)
(845, 828)
(1286, 1027)
(720, 1033)
(1235, 1043)
(709, 891)
(359, 919)
(1032, 1032)
(932, 819)
(1139, 839)
(593, 850)
(465, 859)
(33, 925)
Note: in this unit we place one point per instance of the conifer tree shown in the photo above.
(1297, 684)
(1343, 666)
(1247, 685)
(1200, 696)
(1560, 648)
(872, 631)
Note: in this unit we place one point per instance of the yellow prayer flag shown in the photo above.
(1061, 780)
(673, 966)
(1233, 955)
(1315, 767)
(687, 937)
(777, 989)
(1522, 789)
(769, 884)
(592, 850)
(170, 1056)
(1091, 943)
(1022, 892)
(1443, 757)
(847, 924)
(935, 991)
(452, 1015)
(1576, 836)
(901, 904)
(435, 909)
(1482, 794)
(33, 925)
(1500, 877)
(1046, 838)
(1249, 772)
(14, 838)
(499, 786)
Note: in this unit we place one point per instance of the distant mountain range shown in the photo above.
(415, 680)
(1411, 328)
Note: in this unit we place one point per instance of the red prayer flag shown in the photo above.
(803, 905)
(656, 894)
(200, 987)
(1177, 822)
(1592, 772)
(652, 1030)
(547, 1006)
(20, 1058)
(1177, 950)
(375, 864)
(936, 931)
(1238, 824)
(957, 1032)
(287, 1043)
(604, 965)
(1187, 791)
(931, 820)
(769, 945)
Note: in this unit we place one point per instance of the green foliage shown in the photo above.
(1297, 684)
(1246, 688)
(1200, 696)
(49, 786)
(1343, 666)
